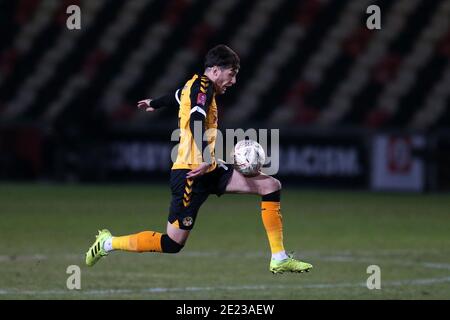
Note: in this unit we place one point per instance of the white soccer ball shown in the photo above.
(249, 157)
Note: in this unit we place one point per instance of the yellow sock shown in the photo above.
(139, 242)
(272, 221)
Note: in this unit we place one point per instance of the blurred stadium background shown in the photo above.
(358, 110)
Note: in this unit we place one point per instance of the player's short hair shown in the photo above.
(222, 56)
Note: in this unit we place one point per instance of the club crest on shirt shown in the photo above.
(201, 98)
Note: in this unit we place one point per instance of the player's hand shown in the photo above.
(145, 104)
(201, 170)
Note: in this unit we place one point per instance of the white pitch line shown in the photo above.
(433, 265)
(106, 292)
(29, 257)
(191, 254)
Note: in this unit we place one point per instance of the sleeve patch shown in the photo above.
(201, 98)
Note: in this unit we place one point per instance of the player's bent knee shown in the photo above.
(278, 184)
(270, 186)
(275, 185)
(170, 246)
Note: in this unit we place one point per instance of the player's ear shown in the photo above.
(216, 71)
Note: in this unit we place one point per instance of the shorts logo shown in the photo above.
(187, 221)
(201, 98)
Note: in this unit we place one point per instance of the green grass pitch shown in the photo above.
(46, 228)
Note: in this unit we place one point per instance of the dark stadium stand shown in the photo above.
(307, 63)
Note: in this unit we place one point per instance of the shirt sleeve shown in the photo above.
(171, 100)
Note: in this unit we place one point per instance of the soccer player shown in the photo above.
(196, 174)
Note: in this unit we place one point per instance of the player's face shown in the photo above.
(225, 79)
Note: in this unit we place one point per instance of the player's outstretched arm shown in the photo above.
(169, 100)
(145, 105)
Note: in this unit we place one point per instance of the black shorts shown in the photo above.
(189, 194)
